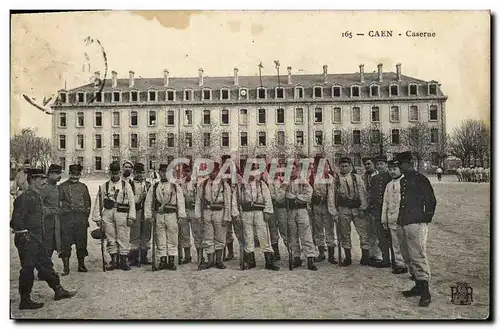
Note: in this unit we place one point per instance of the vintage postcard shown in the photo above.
(250, 165)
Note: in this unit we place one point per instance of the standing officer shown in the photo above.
(27, 224)
(349, 203)
(165, 201)
(370, 172)
(75, 211)
(140, 232)
(117, 215)
(51, 211)
(418, 204)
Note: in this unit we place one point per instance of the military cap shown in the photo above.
(114, 166)
(393, 163)
(404, 157)
(380, 158)
(75, 168)
(139, 167)
(365, 159)
(27, 162)
(163, 167)
(345, 159)
(127, 161)
(36, 173)
(225, 157)
(54, 168)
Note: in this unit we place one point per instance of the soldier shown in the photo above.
(140, 232)
(127, 168)
(348, 201)
(20, 181)
(370, 172)
(51, 211)
(256, 205)
(439, 173)
(278, 219)
(375, 201)
(418, 205)
(27, 224)
(213, 208)
(323, 224)
(459, 173)
(229, 228)
(75, 211)
(298, 195)
(117, 215)
(165, 201)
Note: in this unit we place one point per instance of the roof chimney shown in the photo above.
(398, 71)
(97, 79)
(114, 80)
(131, 79)
(325, 72)
(235, 76)
(289, 69)
(362, 73)
(200, 77)
(379, 72)
(165, 78)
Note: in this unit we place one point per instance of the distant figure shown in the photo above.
(459, 174)
(439, 172)
(21, 182)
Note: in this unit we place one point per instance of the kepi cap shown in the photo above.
(404, 157)
(114, 167)
(36, 173)
(75, 168)
(139, 167)
(53, 168)
(345, 159)
(393, 163)
(380, 158)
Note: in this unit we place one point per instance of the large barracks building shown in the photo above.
(93, 122)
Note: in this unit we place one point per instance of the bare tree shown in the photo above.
(417, 139)
(470, 141)
(207, 141)
(28, 146)
(374, 141)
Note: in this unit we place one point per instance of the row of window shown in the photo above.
(262, 93)
(394, 116)
(262, 139)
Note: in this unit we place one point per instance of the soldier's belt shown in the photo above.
(109, 204)
(122, 207)
(292, 204)
(139, 205)
(214, 206)
(348, 203)
(254, 207)
(190, 205)
(280, 205)
(317, 200)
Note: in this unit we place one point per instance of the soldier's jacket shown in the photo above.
(189, 191)
(28, 213)
(299, 191)
(278, 189)
(164, 194)
(368, 179)
(140, 189)
(74, 197)
(120, 192)
(418, 202)
(50, 199)
(321, 187)
(344, 186)
(376, 193)
(218, 192)
(255, 192)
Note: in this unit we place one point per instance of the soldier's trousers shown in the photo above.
(117, 232)
(346, 216)
(214, 230)
(51, 241)
(74, 227)
(254, 224)
(167, 235)
(301, 233)
(373, 234)
(191, 224)
(140, 239)
(416, 240)
(229, 232)
(277, 225)
(323, 226)
(382, 238)
(399, 246)
(32, 255)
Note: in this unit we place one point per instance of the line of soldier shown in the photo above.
(473, 174)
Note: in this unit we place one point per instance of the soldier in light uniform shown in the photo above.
(21, 181)
(127, 168)
(459, 174)
(51, 210)
(165, 200)
(213, 207)
(140, 232)
(278, 220)
(349, 203)
(117, 200)
(298, 195)
(75, 212)
(229, 228)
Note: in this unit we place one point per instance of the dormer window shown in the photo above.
(63, 96)
(170, 95)
(374, 90)
(261, 93)
(224, 94)
(394, 90)
(152, 96)
(412, 89)
(318, 92)
(355, 91)
(80, 96)
(134, 96)
(432, 89)
(98, 97)
(188, 95)
(243, 93)
(116, 96)
(299, 92)
(207, 94)
(280, 93)
(336, 91)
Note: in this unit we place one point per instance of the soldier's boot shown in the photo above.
(400, 270)
(144, 257)
(270, 264)
(365, 256)
(321, 257)
(81, 265)
(171, 263)
(310, 264)
(331, 255)
(415, 291)
(61, 293)
(218, 260)
(163, 263)
(27, 304)
(386, 261)
(199, 253)
(425, 297)
(133, 257)
(297, 262)
(347, 259)
(251, 260)
(245, 261)
(276, 249)
(187, 256)
(230, 252)
(113, 265)
(65, 261)
(123, 265)
(208, 264)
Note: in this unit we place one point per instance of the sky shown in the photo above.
(48, 50)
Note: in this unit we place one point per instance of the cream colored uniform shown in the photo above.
(190, 223)
(277, 221)
(323, 225)
(167, 230)
(136, 239)
(115, 223)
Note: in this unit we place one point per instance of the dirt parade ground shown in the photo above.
(458, 250)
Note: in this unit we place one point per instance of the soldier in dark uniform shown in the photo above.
(51, 210)
(75, 211)
(27, 223)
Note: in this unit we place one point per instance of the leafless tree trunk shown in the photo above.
(416, 139)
